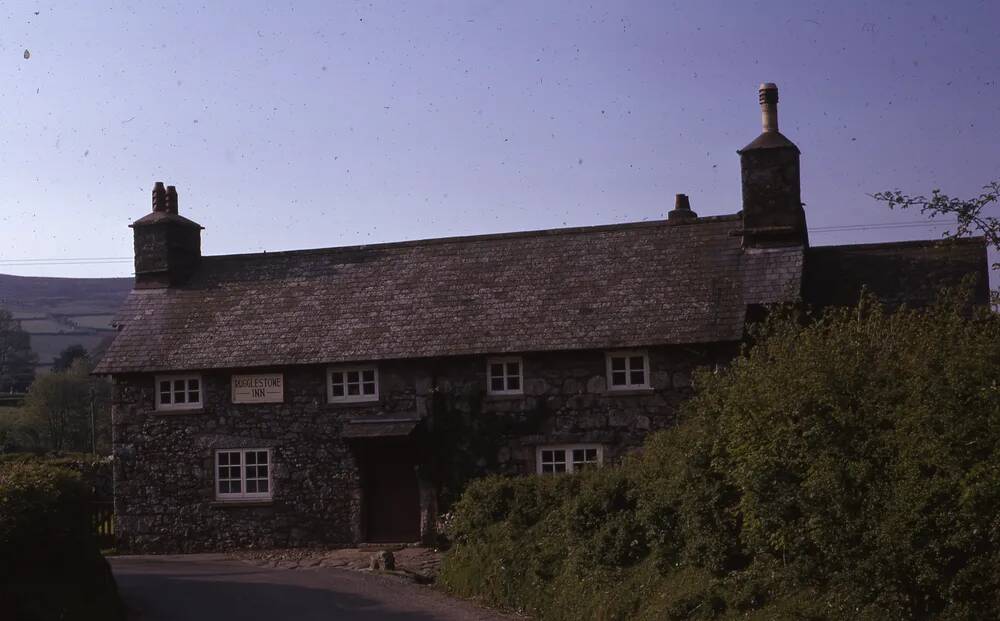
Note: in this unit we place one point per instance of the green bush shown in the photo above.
(52, 568)
(844, 467)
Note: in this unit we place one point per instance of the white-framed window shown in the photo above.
(243, 474)
(178, 392)
(569, 458)
(346, 384)
(504, 376)
(628, 370)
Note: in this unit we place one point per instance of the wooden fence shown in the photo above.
(102, 522)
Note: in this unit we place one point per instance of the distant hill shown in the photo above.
(59, 312)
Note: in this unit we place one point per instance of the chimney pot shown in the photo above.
(682, 209)
(171, 202)
(768, 93)
(159, 197)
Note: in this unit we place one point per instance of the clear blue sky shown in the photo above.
(312, 124)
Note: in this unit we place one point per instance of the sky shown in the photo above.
(289, 125)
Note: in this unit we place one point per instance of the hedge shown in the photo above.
(842, 467)
(51, 566)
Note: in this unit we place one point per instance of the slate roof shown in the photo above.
(901, 272)
(581, 288)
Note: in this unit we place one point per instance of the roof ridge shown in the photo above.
(975, 239)
(481, 237)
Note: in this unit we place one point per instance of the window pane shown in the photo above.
(193, 384)
(636, 362)
(559, 456)
(496, 370)
(223, 459)
(578, 455)
(234, 458)
(353, 377)
(251, 457)
(637, 377)
(547, 468)
(591, 454)
(251, 487)
(194, 397)
(353, 389)
(180, 397)
(560, 467)
(496, 384)
(235, 486)
(165, 386)
(165, 397)
(618, 378)
(368, 388)
(547, 455)
(338, 390)
(513, 368)
(262, 485)
(514, 383)
(368, 375)
(617, 364)
(223, 487)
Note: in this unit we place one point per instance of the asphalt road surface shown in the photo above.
(209, 587)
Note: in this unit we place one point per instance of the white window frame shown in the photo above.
(346, 398)
(243, 495)
(628, 355)
(568, 455)
(187, 405)
(505, 360)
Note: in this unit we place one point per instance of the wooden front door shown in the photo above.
(391, 496)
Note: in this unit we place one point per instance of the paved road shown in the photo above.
(209, 587)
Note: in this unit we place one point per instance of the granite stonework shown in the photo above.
(164, 462)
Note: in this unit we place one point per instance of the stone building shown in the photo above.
(334, 396)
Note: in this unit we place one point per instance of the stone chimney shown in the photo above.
(167, 245)
(682, 210)
(772, 199)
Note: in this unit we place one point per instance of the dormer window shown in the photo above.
(504, 376)
(178, 392)
(352, 384)
(628, 370)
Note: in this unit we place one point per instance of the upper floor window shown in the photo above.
(628, 370)
(570, 458)
(178, 392)
(242, 474)
(345, 384)
(503, 376)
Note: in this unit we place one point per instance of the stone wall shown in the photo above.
(164, 461)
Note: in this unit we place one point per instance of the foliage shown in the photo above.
(52, 567)
(844, 467)
(59, 406)
(972, 215)
(17, 361)
(463, 442)
(68, 356)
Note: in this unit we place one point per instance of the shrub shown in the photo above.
(843, 467)
(52, 568)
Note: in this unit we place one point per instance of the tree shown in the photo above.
(66, 357)
(70, 409)
(971, 215)
(17, 361)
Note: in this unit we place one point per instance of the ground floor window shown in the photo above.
(242, 474)
(569, 458)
